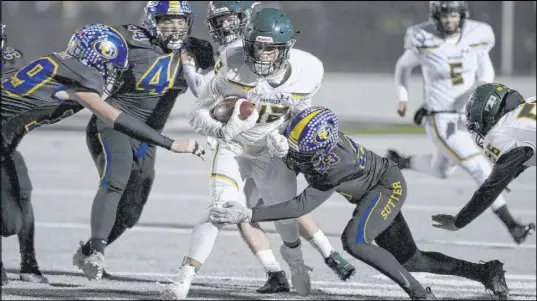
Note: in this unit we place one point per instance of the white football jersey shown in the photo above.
(515, 129)
(275, 105)
(449, 68)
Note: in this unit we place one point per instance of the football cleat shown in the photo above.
(30, 272)
(343, 269)
(179, 289)
(300, 276)
(276, 283)
(427, 296)
(495, 279)
(402, 162)
(520, 232)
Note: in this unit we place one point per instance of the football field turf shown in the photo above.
(65, 181)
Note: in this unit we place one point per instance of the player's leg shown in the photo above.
(114, 164)
(259, 243)
(226, 184)
(309, 230)
(29, 271)
(375, 213)
(12, 219)
(397, 239)
(276, 183)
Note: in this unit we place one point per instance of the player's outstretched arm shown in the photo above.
(403, 68)
(504, 171)
(133, 127)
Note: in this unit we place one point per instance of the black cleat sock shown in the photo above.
(86, 248)
(438, 263)
(97, 244)
(506, 217)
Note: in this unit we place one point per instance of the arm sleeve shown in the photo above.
(403, 68)
(137, 129)
(504, 171)
(200, 119)
(304, 203)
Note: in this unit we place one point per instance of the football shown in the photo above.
(223, 110)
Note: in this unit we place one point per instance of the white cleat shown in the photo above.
(300, 276)
(93, 266)
(79, 257)
(179, 289)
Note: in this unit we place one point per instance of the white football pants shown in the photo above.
(454, 147)
(275, 183)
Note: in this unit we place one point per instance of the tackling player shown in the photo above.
(280, 81)
(453, 51)
(226, 21)
(150, 89)
(332, 162)
(12, 61)
(54, 87)
(504, 127)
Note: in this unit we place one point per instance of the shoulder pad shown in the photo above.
(9, 53)
(481, 33)
(135, 35)
(308, 73)
(422, 37)
(532, 99)
(236, 70)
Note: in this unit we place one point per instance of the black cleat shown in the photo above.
(427, 296)
(276, 283)
(520, 232)
(340, 266)
(5, 280)
(107, 275)
(495, 279)
(402, 162)
(30, 272)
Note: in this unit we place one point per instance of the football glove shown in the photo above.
(203, 52)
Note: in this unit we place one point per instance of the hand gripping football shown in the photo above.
(224, 109)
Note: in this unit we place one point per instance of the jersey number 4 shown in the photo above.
(30, 78)
(528, 112)
(159, 77)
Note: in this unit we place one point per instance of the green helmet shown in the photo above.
(242, 10)
(485, 107)
(269, 30)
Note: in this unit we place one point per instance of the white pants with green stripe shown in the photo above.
(229, 173)
(454, 147)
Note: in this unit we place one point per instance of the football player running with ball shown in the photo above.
(503, 124)
(226, 21)
(281, 82)
(333, 162)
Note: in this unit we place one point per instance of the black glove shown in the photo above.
(419, 115)
(203, 52)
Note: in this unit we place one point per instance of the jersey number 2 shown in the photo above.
(159, 77)
(455, 74)
(30, 78)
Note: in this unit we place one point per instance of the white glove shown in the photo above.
(230, 213)
(213, 143)
(277, 144)
(235, 126)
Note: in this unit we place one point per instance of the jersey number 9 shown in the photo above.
(30, 78)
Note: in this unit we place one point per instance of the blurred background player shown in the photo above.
(503, 124)
(452, 51)
(55, 87)
(149, 91)
(12, 61)
(280, 81)
(226, 21)
(332, 162)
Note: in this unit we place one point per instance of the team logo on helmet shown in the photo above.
(105, 48)
(323, 135)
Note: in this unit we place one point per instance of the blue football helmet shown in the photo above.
(103, 48)
(171, 37)
(311, 135)
(3, 35)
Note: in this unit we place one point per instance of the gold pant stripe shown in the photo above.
(226, 179)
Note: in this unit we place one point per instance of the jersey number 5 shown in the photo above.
(455, 74)
(159, 77)
(30, 78)
(527, 111)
